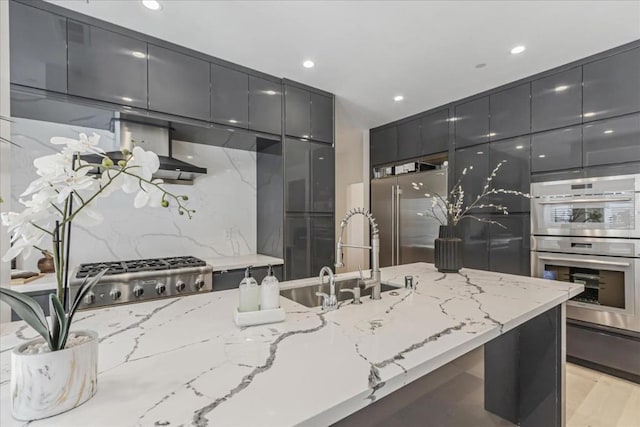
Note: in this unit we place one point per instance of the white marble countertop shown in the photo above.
(48, 281)
(183, 361)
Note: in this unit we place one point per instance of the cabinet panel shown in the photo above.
(38, 48)
(557, 149)
(322, 243)
(514, 173)
(297, 175)
(475, 178)
(41, 297)
(107, 66)
(612, 86)
(509, 247)
(556, 101)
(265, 105)
(510, 112)
(296, 247)
(435, 132)
(178, 84)
(472, 122)
(322, 160)
(229, 96)
(297, 112)
(409, 140)
(383, 146)
(321, 118)
(475, 241)
(612, 141)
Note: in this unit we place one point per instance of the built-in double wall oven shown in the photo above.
(588, 231)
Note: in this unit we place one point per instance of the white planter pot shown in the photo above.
(47, 384)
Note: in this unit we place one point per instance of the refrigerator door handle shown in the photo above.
(397, 225)
(393, 225)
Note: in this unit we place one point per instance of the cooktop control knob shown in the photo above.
(180, 286)
(160, 288)
(115, 294)
(138, 291)
(199, 283)
(90, 298)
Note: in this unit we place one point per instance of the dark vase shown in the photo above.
(448, 250)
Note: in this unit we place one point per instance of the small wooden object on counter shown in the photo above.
(24, 278)
(260, 317)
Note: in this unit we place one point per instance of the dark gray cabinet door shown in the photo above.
(435, 132)
(321, 118)
(297, 175)
(322, 241)
(556, 149)
(409, 140)
(475, 241)
(296, 250)
(41, 297)
(612, 141)
(514, 173)
(178, 84)
(107, 66)
(383, 146)
(322, 161)
(509, 247)
(265, 105)
(476, 162)
(556, 101)
(472, 122)
(510, 112)
(229, 96)
(38, 48)
(612, 86)
(297, 104)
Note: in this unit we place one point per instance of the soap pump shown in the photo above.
(249, 293)
(270, 291)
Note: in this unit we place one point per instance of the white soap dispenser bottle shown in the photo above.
(249, 293)
(270, 292)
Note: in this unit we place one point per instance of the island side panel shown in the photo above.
(524, 372)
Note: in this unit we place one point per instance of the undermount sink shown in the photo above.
(306, 295)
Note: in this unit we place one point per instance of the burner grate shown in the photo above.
(132, 266)
(94, 268)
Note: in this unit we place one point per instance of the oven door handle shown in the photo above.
(600, 200)
(589, 261)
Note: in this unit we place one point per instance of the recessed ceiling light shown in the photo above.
(481, 65)
(542, 156)
(518, 49)
(270, 92)
(589, 114)
(561, 88)
(127, 99)
(189, 157)
(138, 54)
(608, 131)
(233, 121)
(152, 4)
(308, 64)
(398, 98)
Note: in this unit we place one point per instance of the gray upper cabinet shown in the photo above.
(178, 84)
(612, 86)
(556, 101)
(229, 96)
(556, 149)
(297, 104)
(473, 182)
(472, 122)
(514, 173)
(510, 112)
(435, 132)
(383, 145)
(323, 172)
(321, 118)
(409, 140)
(38, 48)
(106, 66)
(265, 105)
(610, 141)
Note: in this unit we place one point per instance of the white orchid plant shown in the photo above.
(450, 210)
(66, 191)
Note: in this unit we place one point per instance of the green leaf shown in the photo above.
(28, 310)
(54, 325)
(85, 287)
(57, 312)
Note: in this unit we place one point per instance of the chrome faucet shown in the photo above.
(330, 301)
(374, 280)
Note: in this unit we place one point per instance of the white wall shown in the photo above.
(5, 132)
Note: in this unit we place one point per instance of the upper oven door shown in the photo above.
(589, 207)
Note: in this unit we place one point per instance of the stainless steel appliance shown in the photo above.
(142, 280)
(398, 203)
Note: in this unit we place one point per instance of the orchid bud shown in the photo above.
(122, 163)
(185, 198)
(125, 152)
(165, 204)
(107, 162)
(181, 212)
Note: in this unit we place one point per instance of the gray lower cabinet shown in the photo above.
(509, 247)
(612, 86)
(611, 141)
(297, 111)
(510, 112)
(265, 105)
(556, 101)
(514, 173)
(471, 121)
(178, 84)
(434, 129)
(475, 241)
(230, 279)
(409, 140)
(322, 242)
(321, 118)
(38, 48)
(475, 178)
(383, 145)
(557, 149)
(106, 66)
(229, 96)
(41, 297)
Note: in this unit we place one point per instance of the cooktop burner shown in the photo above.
(137, 265)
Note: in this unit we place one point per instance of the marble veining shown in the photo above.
(184, 362)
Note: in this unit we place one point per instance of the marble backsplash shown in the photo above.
(225, 201)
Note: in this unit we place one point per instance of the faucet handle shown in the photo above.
(329, 302)
(356, 294)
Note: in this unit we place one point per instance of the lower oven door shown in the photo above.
(610, 297)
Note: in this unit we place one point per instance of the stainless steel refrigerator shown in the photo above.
(398, 203)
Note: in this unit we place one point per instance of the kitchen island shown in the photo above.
(183, 361)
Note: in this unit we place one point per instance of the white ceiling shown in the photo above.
(368, 51)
